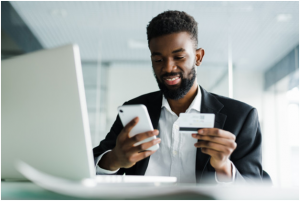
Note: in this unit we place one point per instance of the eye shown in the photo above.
(158, 60)
(178, 58)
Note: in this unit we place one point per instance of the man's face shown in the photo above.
(173, 59)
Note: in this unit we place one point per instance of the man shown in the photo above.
(229, 152)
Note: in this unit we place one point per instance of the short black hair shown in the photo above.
(172, 22)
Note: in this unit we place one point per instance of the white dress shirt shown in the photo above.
(177, 153)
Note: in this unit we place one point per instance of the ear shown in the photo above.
(199, 56)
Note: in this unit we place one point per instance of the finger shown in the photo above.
(219, 140)
(130, 142)
(216, 132)
(144, 146)
(213, 153)
(142, 136)
(140, 156)
(215, 146)
(125, 131)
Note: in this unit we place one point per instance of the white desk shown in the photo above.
(28, 190)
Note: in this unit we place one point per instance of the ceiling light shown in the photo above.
(283, 17)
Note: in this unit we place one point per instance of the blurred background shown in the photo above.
(251, 54)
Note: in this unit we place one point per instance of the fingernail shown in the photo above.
(200, 131)
(157, 140)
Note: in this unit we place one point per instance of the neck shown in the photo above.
(181, 105)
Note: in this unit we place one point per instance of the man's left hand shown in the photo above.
(219, 144)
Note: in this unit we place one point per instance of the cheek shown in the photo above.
(191, 59)
(188, 63)
(157, 67)
(155, 71)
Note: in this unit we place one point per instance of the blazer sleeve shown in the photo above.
(247, 157)
(109, 142)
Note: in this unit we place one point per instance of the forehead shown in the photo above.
(170, 42)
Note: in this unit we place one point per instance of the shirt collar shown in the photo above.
(195, 105)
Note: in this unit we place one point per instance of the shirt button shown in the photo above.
(174, 153)
(176, 127)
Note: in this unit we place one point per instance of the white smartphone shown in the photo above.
(129, 112)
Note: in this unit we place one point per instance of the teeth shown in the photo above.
(172, 79)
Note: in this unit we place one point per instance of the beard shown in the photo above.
(185, 85)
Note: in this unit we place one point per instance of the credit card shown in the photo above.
(190, 122)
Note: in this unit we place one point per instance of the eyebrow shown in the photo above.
(175, 51)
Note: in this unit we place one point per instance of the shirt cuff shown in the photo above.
(102, 171)
(233, 172)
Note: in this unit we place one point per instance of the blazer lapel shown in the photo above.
(154, 108)
(209, 104)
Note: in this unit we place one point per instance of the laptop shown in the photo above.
(44, 117)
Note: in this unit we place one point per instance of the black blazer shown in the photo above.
(230, 115)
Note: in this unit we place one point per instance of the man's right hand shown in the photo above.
(125, 154)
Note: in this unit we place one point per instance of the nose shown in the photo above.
(169, 66)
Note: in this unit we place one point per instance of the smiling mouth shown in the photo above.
(172, 80)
